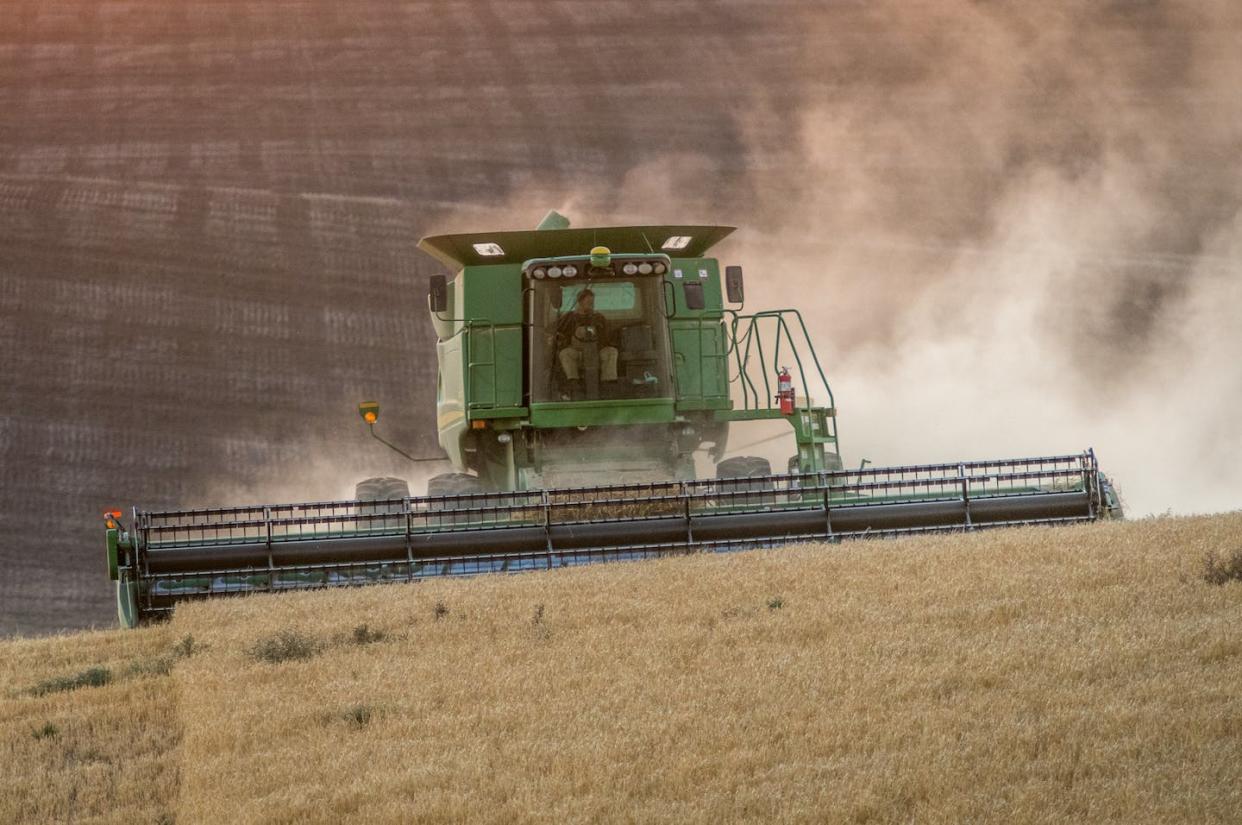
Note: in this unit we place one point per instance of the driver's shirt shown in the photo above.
(569, 324)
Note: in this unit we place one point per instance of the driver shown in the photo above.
(580, 327)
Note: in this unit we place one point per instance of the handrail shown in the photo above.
(468, 325)
(470, 364)
(753, 334)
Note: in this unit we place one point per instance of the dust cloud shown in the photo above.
(319, 478)
(1035, 248)
(1028, 243)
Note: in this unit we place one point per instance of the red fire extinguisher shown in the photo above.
(785, 391)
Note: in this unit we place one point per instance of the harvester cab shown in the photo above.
(580, 373)
(569, 356)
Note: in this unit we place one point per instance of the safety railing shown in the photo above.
(752, 337)
(470, 329)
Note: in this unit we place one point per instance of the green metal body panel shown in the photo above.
(128, 592)
(127, 596)
(110, 539)
(458, 252)
(603, 413)
(499, 415)
(700, 362)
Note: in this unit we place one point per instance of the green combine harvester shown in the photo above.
(581, 373)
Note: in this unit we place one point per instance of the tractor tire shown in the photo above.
(454, 484)
(381, 489)
(385, 489)
(743, 466)
(759, 491)
(458, 484)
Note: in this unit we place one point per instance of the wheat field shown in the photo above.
(95, 754)
(1028, 675)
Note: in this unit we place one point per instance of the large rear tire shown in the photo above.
(454, 484)
(381, 489)
(458, 484)
(745, 466)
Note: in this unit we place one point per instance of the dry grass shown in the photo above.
(1082, 674)
(77, 745)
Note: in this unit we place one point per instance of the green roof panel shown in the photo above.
(484, 248)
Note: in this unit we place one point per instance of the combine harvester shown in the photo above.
(567, 357)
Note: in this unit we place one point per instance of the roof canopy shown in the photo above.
(484, 248)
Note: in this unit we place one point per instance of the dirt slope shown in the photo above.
(208, 214)
(1084, 674)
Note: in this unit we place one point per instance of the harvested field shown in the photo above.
(103, 751)
(1083, 674)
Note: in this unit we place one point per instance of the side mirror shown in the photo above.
(693, 291)
(437, 294)
(734, 286)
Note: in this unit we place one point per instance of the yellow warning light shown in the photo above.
(369, 417)
(601, 256)
(369, 410)
(111, 524)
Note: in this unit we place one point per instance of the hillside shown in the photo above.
(1022, 675)
(208, 219)
(209, 211)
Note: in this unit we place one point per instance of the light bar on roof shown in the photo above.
(489, 250)
(573, 266)
(677, 242)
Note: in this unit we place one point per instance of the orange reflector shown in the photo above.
(369, 417)
(115, 513)
(111, 524)
(478, 424)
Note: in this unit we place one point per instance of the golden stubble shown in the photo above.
(95, 754)
(1029, 675)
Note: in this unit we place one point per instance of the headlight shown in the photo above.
(569, 271)
(539, 272)
(629, 269)
(554, 272)
(660, 268)
(644, 268)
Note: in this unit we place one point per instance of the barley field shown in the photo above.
(106, 751)
(1028, 675)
